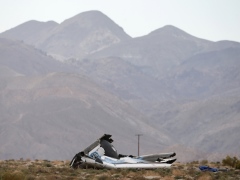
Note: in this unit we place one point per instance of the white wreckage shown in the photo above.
(102, 154)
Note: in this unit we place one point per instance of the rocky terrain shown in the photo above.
(45, 169)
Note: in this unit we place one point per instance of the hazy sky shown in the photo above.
(208, 19)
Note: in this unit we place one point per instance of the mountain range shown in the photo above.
(65, 84)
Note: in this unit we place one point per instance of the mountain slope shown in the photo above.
(211, 125)
(161, 50)
(31, 32)
(157, 52)
(54, 116)
(120, 77)
(205, 74)
(83, 34)
(27, 60)
(76, 37)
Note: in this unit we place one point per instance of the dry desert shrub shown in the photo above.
(168, 178)
(103, 177)
(177, 172)
(48, 170)
(164, 171)
(205, 177)
(151, 173)
(13, 176)
(30, 177)
(204, 162)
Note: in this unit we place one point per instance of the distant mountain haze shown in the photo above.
(27, 60)
(76, 37)
(31, 32)
(57, 115)
(64, 85)
(161, 50)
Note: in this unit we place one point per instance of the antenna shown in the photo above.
(138, 135)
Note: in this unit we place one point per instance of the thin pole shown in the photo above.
(138, 135)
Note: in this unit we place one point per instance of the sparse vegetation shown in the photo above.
(48, 170)
(232, 162)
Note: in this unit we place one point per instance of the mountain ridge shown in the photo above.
(185, 87)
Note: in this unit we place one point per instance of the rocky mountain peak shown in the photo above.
(92, 20)
(31, 32)
(76, 37)
(93, 15)
(170, 31)
(28, 29)
(83, 34)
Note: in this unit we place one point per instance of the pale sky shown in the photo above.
(208, 19)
